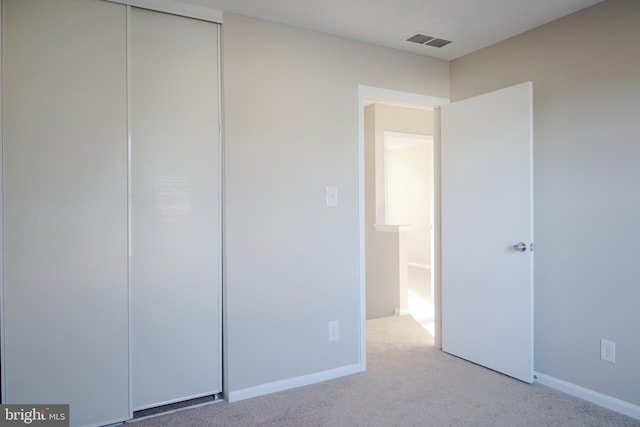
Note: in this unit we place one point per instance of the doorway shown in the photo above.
(506, 325)
(392, 218)
(399, 226)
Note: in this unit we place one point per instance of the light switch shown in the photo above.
(332, 196)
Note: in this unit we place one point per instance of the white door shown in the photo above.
(487, 205)
(65, 329)
(175, 209)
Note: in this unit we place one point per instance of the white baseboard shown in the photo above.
(604, 400)
(400, 311)
(290, 383)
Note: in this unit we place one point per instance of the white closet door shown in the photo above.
(65, 207)
(175, 276)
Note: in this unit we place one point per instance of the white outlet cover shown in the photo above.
(608, 351)
(334, 330)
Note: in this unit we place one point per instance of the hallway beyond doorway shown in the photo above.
(421, 305)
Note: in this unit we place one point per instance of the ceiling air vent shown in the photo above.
(420, 39)
(423, 39)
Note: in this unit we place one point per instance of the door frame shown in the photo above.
(404, 99)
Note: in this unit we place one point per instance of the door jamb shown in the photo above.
(405, 99)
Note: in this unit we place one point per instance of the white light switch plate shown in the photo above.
(332, 196)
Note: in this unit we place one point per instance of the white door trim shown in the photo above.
(412, 100)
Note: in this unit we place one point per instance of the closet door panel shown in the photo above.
(176, 243)
(65, 207)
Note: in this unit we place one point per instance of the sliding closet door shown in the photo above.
(175, 275)
(65, 207)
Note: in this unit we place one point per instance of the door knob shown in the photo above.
(520, 247)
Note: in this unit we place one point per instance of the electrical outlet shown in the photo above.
(334, 330)
(608, 351)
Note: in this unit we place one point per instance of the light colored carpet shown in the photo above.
(407, 383)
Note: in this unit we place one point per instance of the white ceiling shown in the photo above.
(469, 24)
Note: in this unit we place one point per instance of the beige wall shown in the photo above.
(386, 262)
(585, 70)
(291, 129)
(382, 249)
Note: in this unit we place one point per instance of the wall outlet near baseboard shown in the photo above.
(334, 330)
(608, 351)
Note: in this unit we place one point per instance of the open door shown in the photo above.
(487, 230)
